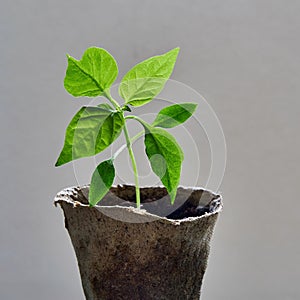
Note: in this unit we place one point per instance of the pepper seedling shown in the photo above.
(94, 128)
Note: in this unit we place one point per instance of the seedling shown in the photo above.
(94, 128)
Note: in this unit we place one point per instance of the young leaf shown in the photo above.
(126, 108)
(174, 115)
(145, 80)
(101, 182)
(92, 75)
(165, 157)
(91, 131)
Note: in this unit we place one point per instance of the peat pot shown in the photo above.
(157, 252)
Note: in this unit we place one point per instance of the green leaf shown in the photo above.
(126, 108)
(174, 115)
(106, 106)
(92, 75)
(145, 80)
(91, 131)
(165, 157)
(101, 182)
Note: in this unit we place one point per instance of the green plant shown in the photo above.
(94, 128)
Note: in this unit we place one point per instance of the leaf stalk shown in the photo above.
(112, 100)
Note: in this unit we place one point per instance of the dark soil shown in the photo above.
(155, 200)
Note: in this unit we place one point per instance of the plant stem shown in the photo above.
(129, 146)
(137, 119)
(136, 177)
(116, 154)
(111, 100)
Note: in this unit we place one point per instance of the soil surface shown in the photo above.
(189, 202)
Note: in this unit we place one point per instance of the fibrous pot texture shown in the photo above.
(157, 252)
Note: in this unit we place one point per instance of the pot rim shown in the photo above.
(65, 195)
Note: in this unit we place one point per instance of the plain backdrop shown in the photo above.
(241, 55)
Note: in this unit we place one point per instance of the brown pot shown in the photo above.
(126, 253)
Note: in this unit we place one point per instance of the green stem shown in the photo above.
(136, 177)
(112, 100)
(137, 119)
(129, 146)
(116, 154)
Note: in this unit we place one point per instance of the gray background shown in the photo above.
(242, 56)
